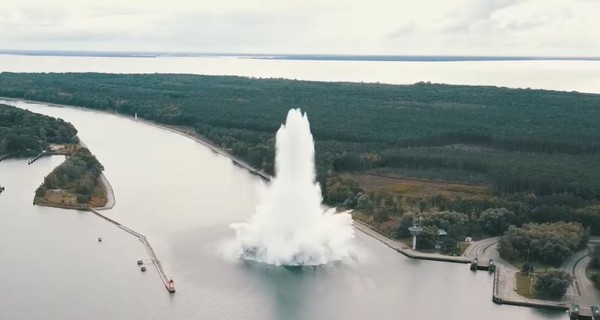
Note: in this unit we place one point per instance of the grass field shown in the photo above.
(525, 286)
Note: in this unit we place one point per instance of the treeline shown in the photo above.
(396, 126)
(548, 243)
(413, 115)
(24, 133)
(538, 149)
(78, 175)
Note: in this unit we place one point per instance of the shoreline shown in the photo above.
(500, 296)
(110, 203)
(404, 249)
(110, 194)
(216, 149)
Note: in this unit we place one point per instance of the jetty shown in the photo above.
(504, 292)
(169, 284)
(34, 159)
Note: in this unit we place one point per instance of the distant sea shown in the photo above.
(551, 73)
(326, 57)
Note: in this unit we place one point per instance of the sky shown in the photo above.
(365, 27)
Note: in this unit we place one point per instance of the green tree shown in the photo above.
(552, 283)
(495, 221)
(549, 243)
(595, 256)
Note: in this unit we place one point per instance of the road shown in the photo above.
(483, 249)
(582, 290)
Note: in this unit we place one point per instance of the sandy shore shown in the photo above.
(110, 195)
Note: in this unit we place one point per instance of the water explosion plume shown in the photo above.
(290, 227)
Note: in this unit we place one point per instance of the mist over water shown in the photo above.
(290, 226)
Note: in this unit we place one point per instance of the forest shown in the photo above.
(74, 183)
(535, 151)
(24, 133)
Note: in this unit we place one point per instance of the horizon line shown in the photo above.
(290, 56)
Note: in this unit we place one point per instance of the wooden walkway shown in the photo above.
(147, 245)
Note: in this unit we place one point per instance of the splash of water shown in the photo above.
(290, 226)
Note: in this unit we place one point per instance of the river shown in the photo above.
(182, 196)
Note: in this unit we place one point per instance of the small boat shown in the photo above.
(171, 286)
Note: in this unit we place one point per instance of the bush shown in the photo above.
(527, 268)
(595, 257)
(495, 221)
(595, 277)
(552, 283)
(83, 198)
(549, 243)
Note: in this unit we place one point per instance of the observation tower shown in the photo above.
(415, 231)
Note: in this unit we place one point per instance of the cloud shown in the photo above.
(404, 29)
(478, 27)
(76, 36)
(474, 12)
(42, 16)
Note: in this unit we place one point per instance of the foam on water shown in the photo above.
(290, 226)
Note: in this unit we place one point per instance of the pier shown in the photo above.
(166, 281)
(34, 159)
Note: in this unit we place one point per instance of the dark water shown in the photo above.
(182, 196)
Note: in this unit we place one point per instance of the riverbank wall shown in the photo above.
(404, 249)
(504, 291)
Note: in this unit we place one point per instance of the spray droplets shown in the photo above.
(290, 227)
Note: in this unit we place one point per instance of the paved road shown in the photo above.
(483, 249)
(582, 290)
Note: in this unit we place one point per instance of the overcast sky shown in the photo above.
(413, 27)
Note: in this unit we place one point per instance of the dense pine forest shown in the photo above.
(24, 133)
(536, 151)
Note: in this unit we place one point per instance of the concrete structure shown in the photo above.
(415, 231)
